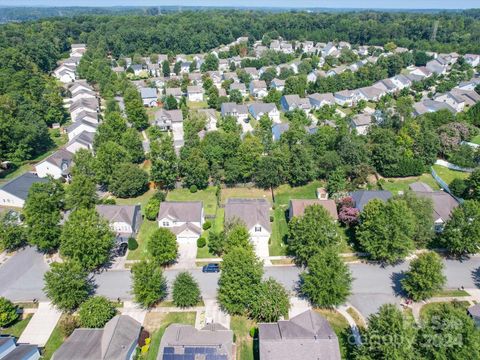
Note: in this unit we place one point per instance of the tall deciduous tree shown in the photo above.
(164, 163)
(327, 281)
(186, 291)
(311, 233)
(81, 193)
(8, 312)
(424, 277)
(241, 273)
(42, 214)
(162, 246)
(87, 238)
(67, 285)
(128, 181)
(149, 284)
(96, 312)
(271, 302)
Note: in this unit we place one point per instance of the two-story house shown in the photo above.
(124, 220)
(184, 218)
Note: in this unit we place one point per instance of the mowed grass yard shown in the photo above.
(394, 185)
(247, 347)
(448, 175)
(16, 328)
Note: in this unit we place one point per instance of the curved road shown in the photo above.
(21, 279)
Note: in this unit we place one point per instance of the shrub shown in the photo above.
(207, 225)
(132, 244)
(458, 187)
(152, 208)
(68, 324)
(159, 195)
(109, 201)
(8, 312)
(96, 312)
(201, 242)
(271, 218)
(193, 189)
(253, 332)
(185, 290)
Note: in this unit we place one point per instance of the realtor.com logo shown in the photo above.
(439, 333)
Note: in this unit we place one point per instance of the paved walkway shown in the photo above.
(417, 307)
(213, 314)
(353, 325)
(298, 306)
(41, 325)
(133, 310)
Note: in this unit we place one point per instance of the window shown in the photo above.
(258, 228)
(166, 223)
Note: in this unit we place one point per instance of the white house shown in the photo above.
(165, 118)
(472, 59)
(347, 97)
(177, 93)
(78, 49)
(422, 72)
(65, 73)
(124, 220)
(257, 110)
(319, 100)
(78, 127)
(149, 96)
(361, 123)
(195, 93)
(184, 218)
(84, 140)
(211, 119)
(240, 87)
(15, 192)
(78, 86)
(277, 84)
(240, 112)
(258, 89)
(292, 102)
(454, 100)
(255, 214)
(89, 105)
(56, 165)
(329, 50)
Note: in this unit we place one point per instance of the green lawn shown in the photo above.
(146, 230)
(17, 327)
(217, 226)
(426, 309)
(340, 325)
(451, 293)
(170, 318)
(246, 349)
(54, 342)
(140, 200)
(197, 105)
(245, 193)
(207, 196)
(448, 175)
(394, 185)
(476, 140)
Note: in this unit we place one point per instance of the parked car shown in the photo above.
(211, 268)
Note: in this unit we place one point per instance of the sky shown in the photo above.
(395, 4)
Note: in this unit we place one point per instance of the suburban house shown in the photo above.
(195, 78)
(372, 93)
(319, 100)
(116, 341)
(258, 89)
(84, 140)
(124, 220)
(184, 218)
(10, 351)
(468, 85)
(362, 197)
(240, 87)
(211, 119)
(443, 204)
(15, 192)
(195, 93)
(255, 214)
(165, 118)
(240, 112)
(253, 72)
(427, 106)
(472, 59)
(83, 94)
(78, 86)
(137, 69)
(292, 102)
(347, 97)
(56, 165)
(177, 93)
(213, 342)
(149, 96)
(65, 73)
(78, 50)
(297, 207)
(80, 126)
(87, 115)
(89, 105)
(422, 72)
(305, 336)
(277, 84)
(278, 130)
(257, 110)
(438, 66)
(223, 64)
(329, 50)
(361, 123)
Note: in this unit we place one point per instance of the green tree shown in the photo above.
(162, 246)
(270, 303)
(295, 85)
(237, 235)
(195, 170)
(166, 68)
(327, 281)
(386, 230)
(171, 103)
(134, 109)
(8, 312)
(12, 234)
(186, 291)
(177, 67)
(461, 235)
(271, 170)
(473, 185)
(87, 239)
(236, 96)
(210, 63)
(164, 163)
(132, 143)
(96, 312)
(423, 209)
(81, 193)
(109, 156)
(42, 214)
(311, 234)
(149, 284)
(67, 285)
(241, 274)
(424, 277)
(128, 181)
(390, 335)
(337, 181)
(448, 332)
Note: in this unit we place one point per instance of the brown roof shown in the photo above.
(297, 207)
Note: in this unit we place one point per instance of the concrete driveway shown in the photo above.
(41, 325)
(187, 253)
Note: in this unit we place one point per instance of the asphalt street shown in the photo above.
(21, 279)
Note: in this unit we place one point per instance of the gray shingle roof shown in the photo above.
(362, 197)
(20, 186)
(120, 213)
(250, 211)
(183, 211)
(305, 336)
(443, 203)
(147, 93)
(22, 352)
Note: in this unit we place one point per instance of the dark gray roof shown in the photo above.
(6, 339)
(257, 108)
(20, 186)
(110, 343)
(21, 352)
(443, 203)
(215, 337)
(474, 311)
(231, 107)
(184, 211)
(362, 197)
(119, 213)
(76, 124)
(250, 211)
(61, 158)
(85, 137)
(305, 336)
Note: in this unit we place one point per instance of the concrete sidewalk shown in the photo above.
(41, 325)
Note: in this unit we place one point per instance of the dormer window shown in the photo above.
(166, 223)
(258, 229)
